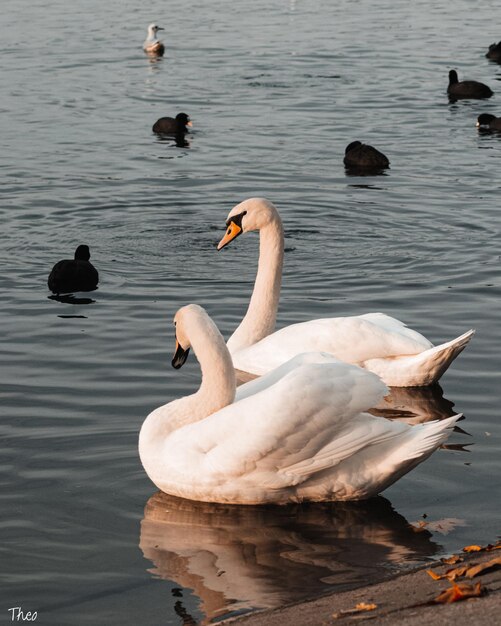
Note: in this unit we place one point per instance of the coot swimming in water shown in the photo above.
(171, 125)
(494, 52)
(76, 274)
(360, 156)
(487, 121)
(467, 88)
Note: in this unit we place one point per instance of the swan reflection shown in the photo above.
(238, 558)
(415, 405)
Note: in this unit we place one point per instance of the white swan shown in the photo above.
(295, 434)
(400, 356)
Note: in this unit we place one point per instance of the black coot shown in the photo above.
(171, 125)
(467, 88)
(360, 156)
(76, 274)
(489, 122)
(494, 52)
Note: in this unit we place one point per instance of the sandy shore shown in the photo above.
(401, 600)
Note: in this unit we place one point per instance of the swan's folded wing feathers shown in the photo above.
(351, 339)
(280, 427)
(396, 326)
(363, 431)
(270, 378)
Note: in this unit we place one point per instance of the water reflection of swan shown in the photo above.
(237, 558)
(415, 405)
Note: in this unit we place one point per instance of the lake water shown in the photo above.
(276, 90)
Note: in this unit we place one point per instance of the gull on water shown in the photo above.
(152, 45)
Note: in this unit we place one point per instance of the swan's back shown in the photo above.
(353, 339)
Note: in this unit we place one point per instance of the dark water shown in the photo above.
(276, 90)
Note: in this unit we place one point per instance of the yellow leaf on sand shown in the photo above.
(362, 606)
(472, 549)
(451, 574)
(459, 592)
(435, 576)
(452, 560)
(475, 570)
(466, 570)
(487, 548)
(359, 608)
(456, 572)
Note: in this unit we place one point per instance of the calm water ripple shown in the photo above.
(276, 91)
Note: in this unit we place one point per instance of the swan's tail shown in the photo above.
(420, 369)
(425, 438)
(421, 441)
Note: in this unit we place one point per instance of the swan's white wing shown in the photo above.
(350, 339)
(260, 384)
(391, 324)
(286, 425)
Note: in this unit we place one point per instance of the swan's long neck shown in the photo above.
(218, 386)
(216, 391)
(259, 321)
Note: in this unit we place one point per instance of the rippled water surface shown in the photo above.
(276, 90)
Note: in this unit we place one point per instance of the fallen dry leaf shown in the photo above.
(452, 560)
(487, 548)
(450, 574)
(434, 575)
(472, 549)
(459, 592)
(363, 606)
(475, 570)
(359, 608)
(469, 571)
(456, 572)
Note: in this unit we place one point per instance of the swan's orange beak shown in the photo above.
(232, 232)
